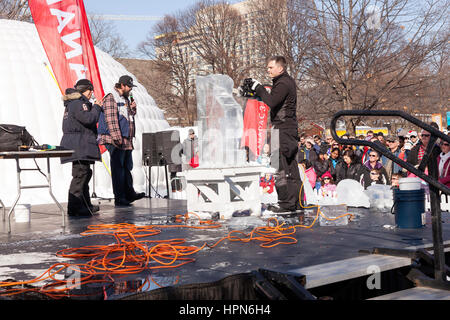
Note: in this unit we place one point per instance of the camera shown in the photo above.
(246, 88)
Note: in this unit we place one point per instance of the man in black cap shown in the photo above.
(116, 128)
(80, 135)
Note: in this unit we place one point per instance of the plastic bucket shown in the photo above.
(409, 206)
(22, 213)
(410, 184)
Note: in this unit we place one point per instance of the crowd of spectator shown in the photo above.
(327, 162)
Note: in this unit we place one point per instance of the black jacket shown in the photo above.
(321, 167)
(301, 155)
(414, 153)
(366, 181)
(282, 101)
(80, 127)
(354, 171)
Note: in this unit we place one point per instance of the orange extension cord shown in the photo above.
(133, 253)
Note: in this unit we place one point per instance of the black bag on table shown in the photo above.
(12, 137)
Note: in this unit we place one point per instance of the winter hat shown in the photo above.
(327, 175)
(84, 85)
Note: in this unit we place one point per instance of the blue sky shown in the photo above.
(133, 32)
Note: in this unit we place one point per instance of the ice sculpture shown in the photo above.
(220, 123)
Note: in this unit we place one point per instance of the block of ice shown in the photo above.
(380, 196)
(333, 215)
(220, 123)
(351, 193)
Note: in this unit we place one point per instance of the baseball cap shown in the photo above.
(85, 84)
(391, 138)
(127, 81)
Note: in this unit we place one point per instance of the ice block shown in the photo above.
(220, 123)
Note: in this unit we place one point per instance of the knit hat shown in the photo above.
(84, 85)
(412, 133)
(327, 175)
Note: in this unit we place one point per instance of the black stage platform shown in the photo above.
(30, 249)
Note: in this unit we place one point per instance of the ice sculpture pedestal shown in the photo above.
(224, 190)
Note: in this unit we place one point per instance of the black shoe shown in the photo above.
(136, 196)
(122, 203)
(276, 209)
(81, 212)
(94, 208)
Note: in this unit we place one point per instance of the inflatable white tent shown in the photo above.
(31, 98)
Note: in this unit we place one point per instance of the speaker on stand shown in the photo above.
(157, 149)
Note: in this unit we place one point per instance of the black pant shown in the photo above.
(79, 198)
(122, 179)
(287, 178)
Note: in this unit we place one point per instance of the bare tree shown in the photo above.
(282, 29)
(15, 10)
(367, 49)
(106, 37)
(166, 46)
(218, 36)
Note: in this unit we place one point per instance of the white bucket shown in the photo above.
(410, 184)
(22, 213)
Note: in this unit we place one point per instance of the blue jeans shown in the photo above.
(121, 165)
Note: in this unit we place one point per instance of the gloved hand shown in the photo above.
(255, 84)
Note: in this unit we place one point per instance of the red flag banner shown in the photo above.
(255, 125)
(64, 31)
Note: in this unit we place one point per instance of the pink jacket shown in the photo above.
(312, 176)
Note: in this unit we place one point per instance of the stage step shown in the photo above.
(337, 271)
(418, 293)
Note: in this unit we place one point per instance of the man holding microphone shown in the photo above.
(116, 128)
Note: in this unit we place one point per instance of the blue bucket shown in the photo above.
(409, 205)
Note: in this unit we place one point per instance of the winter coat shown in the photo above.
(282, 101)
(352, 171)
(312, 176)
(321, 166)
(414, 153)
(444, 175)
(328, 189)
(366, 181)
(310, 155)
(80, 128)
(190, 148)
(264, 183)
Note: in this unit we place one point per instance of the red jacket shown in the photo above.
(444, 176)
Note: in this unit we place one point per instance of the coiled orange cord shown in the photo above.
(133, 252)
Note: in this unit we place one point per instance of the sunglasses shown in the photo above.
(373, 155)
(326, 179)
(445, 144)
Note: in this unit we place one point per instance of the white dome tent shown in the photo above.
(31, 98)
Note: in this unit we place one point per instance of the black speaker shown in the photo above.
(158, 148)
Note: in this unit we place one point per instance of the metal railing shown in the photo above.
(429, 160)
